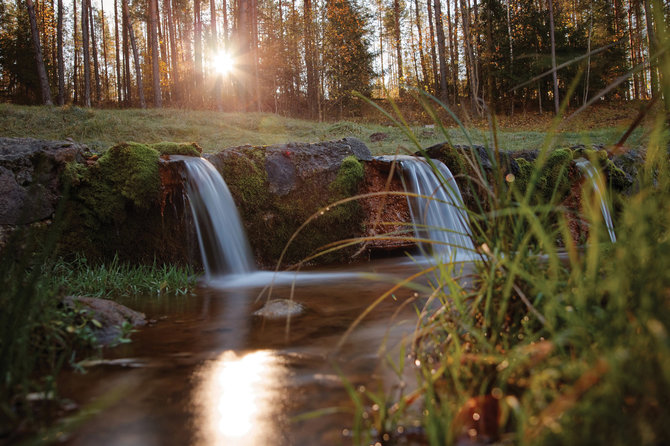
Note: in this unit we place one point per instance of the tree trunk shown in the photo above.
(174, 55)
(76, 55)
(651, 40)
(136, 56)
(61, 61)
(104, 49)
(471, 63)
(312, 88)
(119, 95)
(224, 8)
(126, 53)
(87, 57)
(155, 70)
(45, 90)
(553, 56)
(197, 48)
(422, 57)
(433, 53)
(254, 43)
(442, 52)
(214, 37)
(398, 44)
(453, 50)
(94, 46)
(511, 51)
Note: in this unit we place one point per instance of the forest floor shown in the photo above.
(213, 131)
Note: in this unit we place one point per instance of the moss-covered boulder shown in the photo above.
(278, 188)
(466, 163)
(116, 206)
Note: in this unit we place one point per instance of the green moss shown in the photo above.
(523, 177)
(617, 177)
(453, 159)
(130, 169)
(73, 174)
(247, 180)
(124, 179)
(177, 148)
(348, 177)
(554, 179)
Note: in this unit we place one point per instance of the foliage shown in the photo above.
(80, 277)
(213, 131)
(38, 334)
(347, 56)
(177, 148)
(545, 339)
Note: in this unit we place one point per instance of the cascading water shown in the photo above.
(599, 189)
(438, 214)
(222, 240)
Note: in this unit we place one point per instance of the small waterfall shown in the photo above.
(223, 243)
(442, 217)
(599, 189)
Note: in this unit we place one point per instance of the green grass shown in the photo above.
(116, 279)
(213, 131)
(555, 340)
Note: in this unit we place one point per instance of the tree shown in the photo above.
(39, 60)
(61, 60)
(136, 56)
(153, 34)
(87, 58)
(554, 75)
(310, 59)
(347, 57)
(441, 51)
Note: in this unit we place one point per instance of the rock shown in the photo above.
(110, 314)
(277, 188)
(378, 136)
(30, 177)
(280, 309)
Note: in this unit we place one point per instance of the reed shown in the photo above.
(556, 340)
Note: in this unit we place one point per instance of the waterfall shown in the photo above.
(223, 243)
(599, 188)
(439, 214)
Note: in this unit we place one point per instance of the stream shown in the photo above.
(207, 371)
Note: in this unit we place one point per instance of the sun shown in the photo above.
(223, 62)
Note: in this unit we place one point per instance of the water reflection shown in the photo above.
(238, 398)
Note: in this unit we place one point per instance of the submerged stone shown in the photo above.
(110, 315)
(280, 309)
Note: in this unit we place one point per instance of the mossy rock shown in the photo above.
(113, 206)
(278, 188)
(554, 180)
(177, 148)
(522, 179)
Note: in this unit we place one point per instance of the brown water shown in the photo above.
(209, 372)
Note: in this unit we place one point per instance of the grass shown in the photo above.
(115, 279)
(39, 335)
(552, 342)
(100, 129)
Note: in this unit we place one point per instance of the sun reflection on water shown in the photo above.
(238, 398)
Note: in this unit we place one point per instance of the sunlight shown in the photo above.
(237, 397)
(223, 62)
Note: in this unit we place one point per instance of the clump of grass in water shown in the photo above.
(81, 278)
(568, 348)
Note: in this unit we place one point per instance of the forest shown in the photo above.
(306, 59)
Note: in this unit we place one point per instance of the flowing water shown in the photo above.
(209, 369)
(438, 212)
(222, 240)
(599, 189)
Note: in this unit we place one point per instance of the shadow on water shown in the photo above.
(209, 371)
